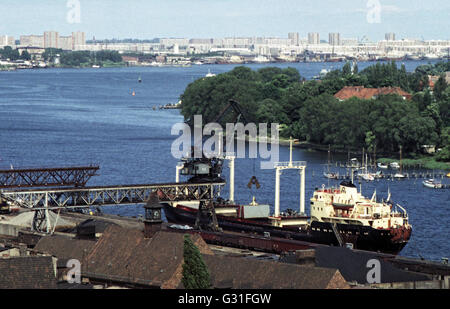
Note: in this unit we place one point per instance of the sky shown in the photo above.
(147, 19)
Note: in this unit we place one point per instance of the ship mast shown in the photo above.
(400, 159)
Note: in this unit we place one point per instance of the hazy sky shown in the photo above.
(146, 19)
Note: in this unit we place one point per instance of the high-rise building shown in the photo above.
(32, 41)
(51, 39)
(65, 43)
(78, 40)
(390, 36)
(313, 38)
(6, 40)
(294, 37)
(334, 39)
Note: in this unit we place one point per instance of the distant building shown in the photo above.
(313, 38)
(130, 61)
(334, 39)
(6, 40)
(295, 38)
(78, 40)
(390, 36)
(370, 93)
(32, 41)
(65, 42)
(51, 39)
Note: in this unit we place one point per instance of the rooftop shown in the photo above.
(368, 93)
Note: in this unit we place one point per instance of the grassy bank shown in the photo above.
(424, 162)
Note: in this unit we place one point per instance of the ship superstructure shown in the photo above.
(345, 205)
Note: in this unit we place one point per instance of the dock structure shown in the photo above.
(291, 165)
(47, 177)
(392, 177)
(44, 200)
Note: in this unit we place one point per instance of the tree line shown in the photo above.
(80, 58)
(13, 54)
(308, 110)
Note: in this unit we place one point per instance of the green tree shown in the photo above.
(25, 55)
(440, 87)
(195, 271)
(444, 154)
(370, 141)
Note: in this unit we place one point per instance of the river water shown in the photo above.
(66, 117)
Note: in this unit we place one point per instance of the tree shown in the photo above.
(195, 271)
(444, 154)
(370, 141)
(440, 87)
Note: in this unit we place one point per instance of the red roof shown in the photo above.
(369, 93)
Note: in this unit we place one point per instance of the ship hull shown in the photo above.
(362, 237)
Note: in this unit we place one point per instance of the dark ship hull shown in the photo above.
(362, 237)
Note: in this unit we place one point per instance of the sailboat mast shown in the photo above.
(362, 160)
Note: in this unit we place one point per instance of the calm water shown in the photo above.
(64, 117)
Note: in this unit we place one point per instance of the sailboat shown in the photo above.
(329, 174)
(400, 175)
(365, 174)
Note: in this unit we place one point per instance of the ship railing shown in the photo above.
(405, 214)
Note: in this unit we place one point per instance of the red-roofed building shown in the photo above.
(369, 93)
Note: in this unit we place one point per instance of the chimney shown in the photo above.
(153, 218)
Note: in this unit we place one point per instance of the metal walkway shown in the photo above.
(112, 195)
(51, 177)
(43, 201)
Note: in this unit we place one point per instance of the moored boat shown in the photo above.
(395, 165)
(432, 183)
(383, 166)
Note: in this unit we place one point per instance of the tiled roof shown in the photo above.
(369, 93)
(125, 255)
(64, 247)
(239, 273)
(27, 273)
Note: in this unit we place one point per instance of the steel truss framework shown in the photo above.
(110, 196)
(52, 177)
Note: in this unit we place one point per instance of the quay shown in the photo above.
(145, 252)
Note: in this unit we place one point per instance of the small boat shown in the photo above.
(367, 177)
(96, 66)
(432, 183)
(448, 175)
(383, 166)
(330, 175)
(378, 174)
(394, 165)
(399, 176)
(140, 80)
(210, 74)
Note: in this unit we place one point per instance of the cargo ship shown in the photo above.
(339, 216)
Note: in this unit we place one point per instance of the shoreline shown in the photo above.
(124, 65)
